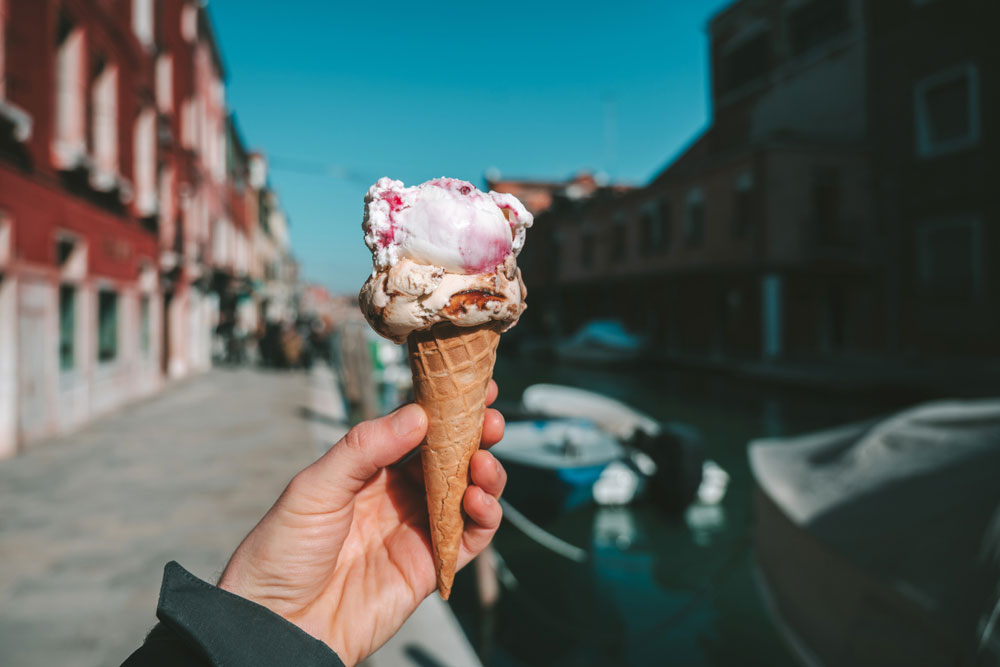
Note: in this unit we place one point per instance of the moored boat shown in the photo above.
(601, 342)
(878, 543)
(569, 447)
(557, 462)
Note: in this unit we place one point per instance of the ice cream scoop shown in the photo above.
(445, 222)
(442, 251)
(445, 281)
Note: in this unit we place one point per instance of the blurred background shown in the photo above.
(753, 411)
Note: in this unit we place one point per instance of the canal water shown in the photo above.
(656, 588)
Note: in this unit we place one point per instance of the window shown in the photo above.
(67, 326)
(165, 82)
(189, 22)
(144, 162)
(826, 205)
(663, 242)
(648, 229)
(743, 214)
(107, 325)
(104, 123)
(5, 239)
(144, 341)
(947, 111)
(189, 132)
(654, 227)
(815, 23)
(616, 243)
(166, 200)
(65, 245)
(142, 21)
(694, 218)
(587, 248)
(556, 244)
(70, 255)
(69, 145)
(746, 62)
(950, 258)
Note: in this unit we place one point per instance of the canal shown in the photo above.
(656, 588)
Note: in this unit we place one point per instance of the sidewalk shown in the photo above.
(89, 520)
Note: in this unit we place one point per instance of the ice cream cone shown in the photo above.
(451, 367)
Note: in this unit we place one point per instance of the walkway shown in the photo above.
(88, 521)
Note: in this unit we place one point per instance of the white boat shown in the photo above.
(564, 463)
(878, 543)
(669, 454)
(558, 444)
(602, 342)
(599, 449)
(613, 416)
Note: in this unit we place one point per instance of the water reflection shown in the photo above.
(657, 586)
(705, 522)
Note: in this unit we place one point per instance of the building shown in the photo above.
(836, 205)
(538, 195)
(125, 210)
(275, 269)
(935, 99)
(538, 259)
(756, 241)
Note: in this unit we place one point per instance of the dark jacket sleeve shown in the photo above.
(202, 625)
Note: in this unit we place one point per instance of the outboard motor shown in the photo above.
(678, 451)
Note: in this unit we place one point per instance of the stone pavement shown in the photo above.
(87, 521)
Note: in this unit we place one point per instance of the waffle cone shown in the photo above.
(451, 367)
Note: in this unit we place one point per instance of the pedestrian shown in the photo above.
(336, 565)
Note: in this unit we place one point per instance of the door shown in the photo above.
(165, 347)
(35, 304)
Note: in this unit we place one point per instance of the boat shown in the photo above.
(569, 447)
(613, 416)
(878, 543)
(558, 463)
(671, 455)
(602, 342)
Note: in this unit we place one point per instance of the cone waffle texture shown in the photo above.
(451, 367)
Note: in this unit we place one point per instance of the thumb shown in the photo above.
(368, 447)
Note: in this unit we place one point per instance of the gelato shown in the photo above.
(445, 281)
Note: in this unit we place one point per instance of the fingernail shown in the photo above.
(487, 498)
(407, 419)
(497, 462)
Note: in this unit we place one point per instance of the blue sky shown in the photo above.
(338, 94)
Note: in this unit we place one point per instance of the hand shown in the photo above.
(345, 552)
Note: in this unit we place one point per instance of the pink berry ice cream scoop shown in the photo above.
(441, 251)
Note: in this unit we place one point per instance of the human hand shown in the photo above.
(345, 552)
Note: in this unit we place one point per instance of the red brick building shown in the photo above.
(538, 195)
(122, 199)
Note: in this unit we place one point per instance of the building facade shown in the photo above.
(755, 242)
(836, 205)
(118, 206)
(935, 71)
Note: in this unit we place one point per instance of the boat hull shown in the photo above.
(832, 612)
(543, 493)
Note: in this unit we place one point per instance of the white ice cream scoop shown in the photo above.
(445, 222)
